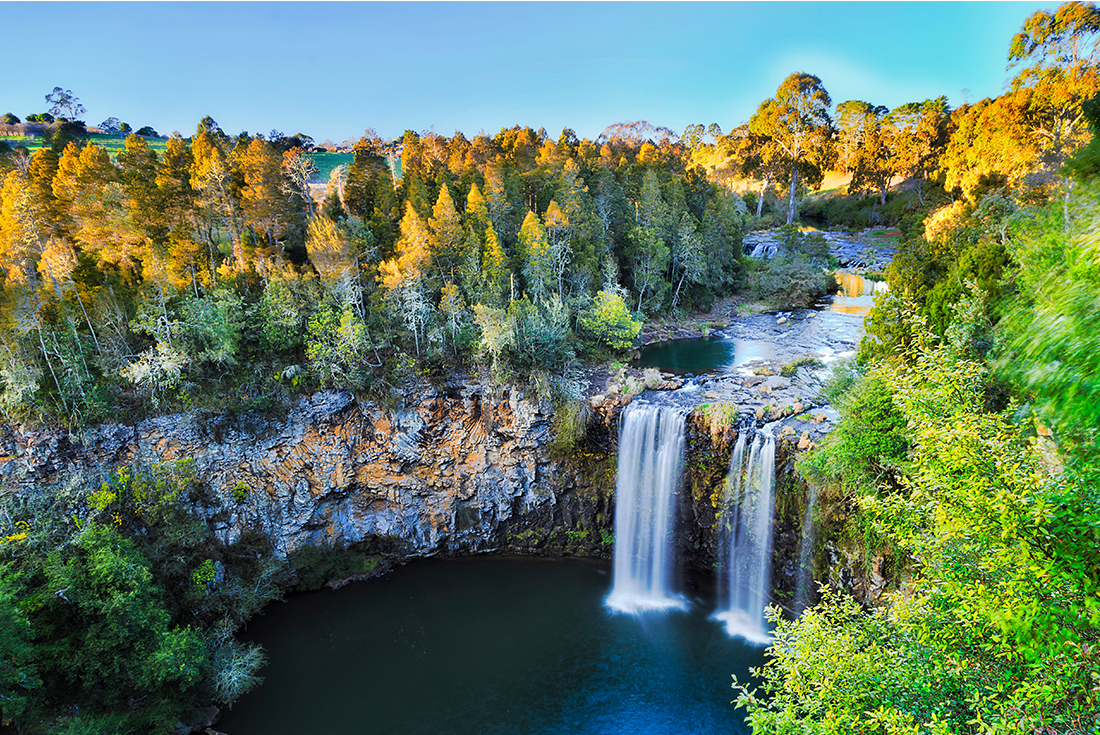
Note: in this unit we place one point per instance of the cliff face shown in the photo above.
(462, 469)
(458, 470)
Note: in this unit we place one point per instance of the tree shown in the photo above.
(125, 647)
(299, 169)
(866, 143)
(758, 156)
(447, 235)
(1026, 133)
(403, 276)
(263, 199)
(217, 190)
(853, 118)
(688, 257)
(797, 120)
(9, 119)
(64, 104)
(535, 252)
(110, 126)
(453, 307)
(495, 273)
(919, 135)
(650, 258)
(610, 322)
(1061, 48)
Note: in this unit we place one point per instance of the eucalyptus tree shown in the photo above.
(798, 123)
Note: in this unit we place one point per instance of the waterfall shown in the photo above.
(732, 515)
(804, 589)
(651, 448)
(749, 508)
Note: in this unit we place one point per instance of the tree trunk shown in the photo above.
(794, 188)
(760, 201)
(91, 329)
(46, 357)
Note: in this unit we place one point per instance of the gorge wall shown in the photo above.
(463, 468)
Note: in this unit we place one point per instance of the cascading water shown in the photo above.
(804, 589)
(651, 449)
(750, 505)
(728, 523)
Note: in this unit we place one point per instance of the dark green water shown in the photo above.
(700, 355)
(489, 645)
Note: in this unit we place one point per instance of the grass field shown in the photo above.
(326, 162)
(111, 143)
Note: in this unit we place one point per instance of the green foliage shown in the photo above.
(997, 627)
(337, 346)
(204, 576)
(791, 368)
(18, 672)
(117, 642)
(788, 282)
(866, 448)
(609, 321)
(316, 566)
(570, 425)
(1052, 329)
(119, 604)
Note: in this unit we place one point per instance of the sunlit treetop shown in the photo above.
(1065, 39)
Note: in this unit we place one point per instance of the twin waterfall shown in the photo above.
(651, 451)
(745, 538)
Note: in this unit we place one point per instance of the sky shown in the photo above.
(331, 70)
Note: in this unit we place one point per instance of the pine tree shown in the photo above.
(537, 258)
(447, 235)
(404, 275)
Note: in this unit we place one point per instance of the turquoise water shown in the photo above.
(489, 645)
(702, 355)
(699, 355)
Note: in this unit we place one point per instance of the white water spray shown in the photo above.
(750, 505)
(651, 449)
(804, 590)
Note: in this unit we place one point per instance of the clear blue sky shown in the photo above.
(332, 69)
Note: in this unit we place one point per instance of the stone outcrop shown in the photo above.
(456, 470)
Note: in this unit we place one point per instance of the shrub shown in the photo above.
(609, 321)
(786, 283)
(316, 566)
(790, 369)
(868, 444)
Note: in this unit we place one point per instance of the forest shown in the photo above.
(165, 277)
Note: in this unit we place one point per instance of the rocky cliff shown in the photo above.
(464, 468)
(459, 469)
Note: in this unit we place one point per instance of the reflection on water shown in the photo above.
(701, 354)
(489, 645)
(856, 294)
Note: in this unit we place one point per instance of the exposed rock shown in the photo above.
(448, 472)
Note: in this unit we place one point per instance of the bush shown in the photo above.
(868, 444)
(316, 566)
(609, 322)
(787, 283)
(790, 369)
